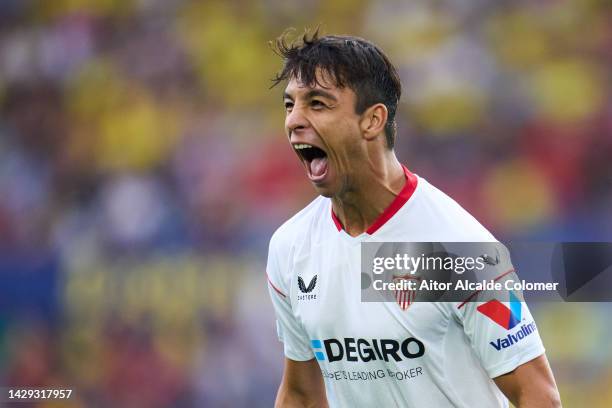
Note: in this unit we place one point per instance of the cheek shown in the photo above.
(339, 131)
(343, 144)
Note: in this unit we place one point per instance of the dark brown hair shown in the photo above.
(349, 61)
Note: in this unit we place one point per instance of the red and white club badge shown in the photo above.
(407, 292)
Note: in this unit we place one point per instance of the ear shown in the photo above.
(373, 121)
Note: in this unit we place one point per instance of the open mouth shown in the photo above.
(315, 159)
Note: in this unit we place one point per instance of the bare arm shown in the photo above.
(302, 386)
(531, 385)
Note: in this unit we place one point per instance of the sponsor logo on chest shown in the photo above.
(356, 349)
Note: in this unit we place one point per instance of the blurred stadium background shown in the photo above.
(143, 168)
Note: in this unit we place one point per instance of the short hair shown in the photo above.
(349, 61)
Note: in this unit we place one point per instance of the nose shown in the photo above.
(295, 120)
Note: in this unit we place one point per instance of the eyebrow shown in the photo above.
(314, 93)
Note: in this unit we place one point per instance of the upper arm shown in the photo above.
(302, 385)
(505, 338)
(530, 385)
(291, 332)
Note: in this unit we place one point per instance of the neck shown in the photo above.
(371, 191)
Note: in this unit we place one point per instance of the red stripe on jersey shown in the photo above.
(274, 287)
(336, 220)
(396, 204)
(478, 291)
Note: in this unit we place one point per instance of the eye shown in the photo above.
(317, 104)
(288, 106)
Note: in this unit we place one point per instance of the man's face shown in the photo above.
(324, 131)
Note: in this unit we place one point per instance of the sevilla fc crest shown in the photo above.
(406, 294)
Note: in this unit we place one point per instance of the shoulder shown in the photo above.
(300, 225)
(442, 218)
(295, 236)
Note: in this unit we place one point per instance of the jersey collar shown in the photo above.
(401, 199)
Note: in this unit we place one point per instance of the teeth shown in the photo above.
(301, 146)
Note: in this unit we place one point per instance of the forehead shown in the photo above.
(324, 83)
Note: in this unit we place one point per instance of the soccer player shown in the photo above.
(340, 100)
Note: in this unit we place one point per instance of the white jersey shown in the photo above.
(377, 354)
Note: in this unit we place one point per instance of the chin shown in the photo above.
(333, 187)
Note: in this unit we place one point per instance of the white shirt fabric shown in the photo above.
(435, 354)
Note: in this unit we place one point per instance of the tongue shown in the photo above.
(318, 166)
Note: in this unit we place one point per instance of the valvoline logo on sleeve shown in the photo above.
(508, 318)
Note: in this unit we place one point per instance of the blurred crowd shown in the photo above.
(143, 167)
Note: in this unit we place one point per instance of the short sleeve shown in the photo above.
(289, 329)
(501, 330)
